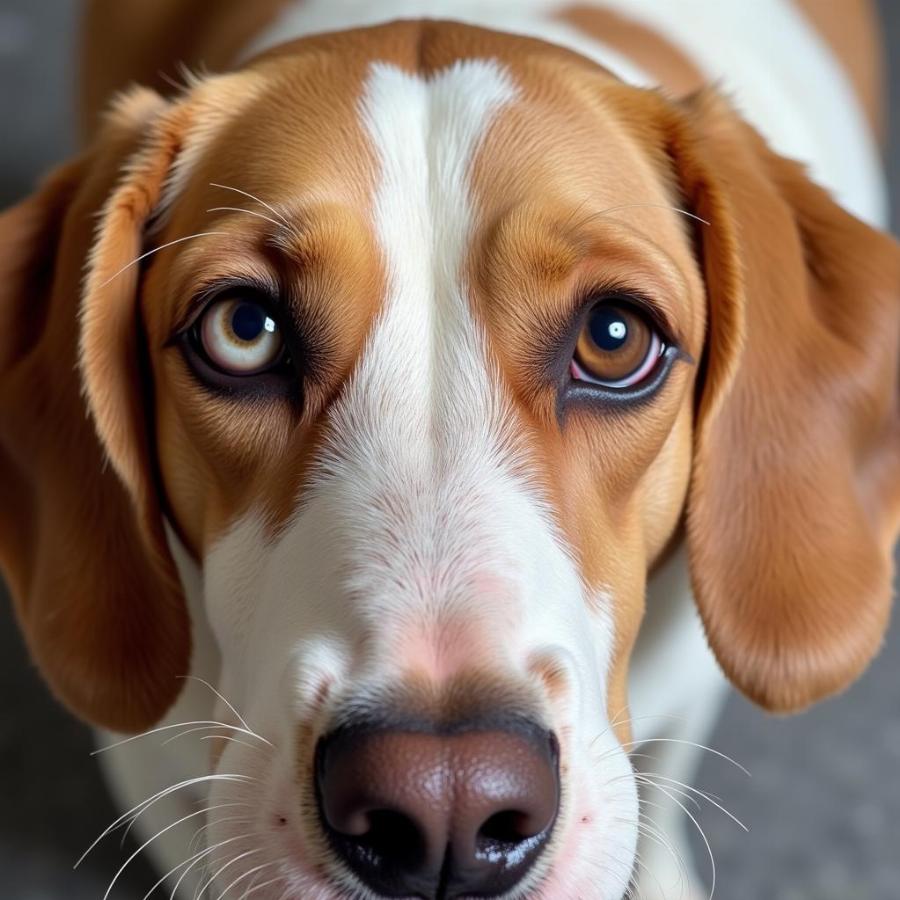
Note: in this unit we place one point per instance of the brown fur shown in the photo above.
(93, 586)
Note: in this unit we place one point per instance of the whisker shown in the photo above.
(263, 203)
(134, 819)
(689, 744)
(225, 737)
(203, 681)
(687, 797)
(144, 256)
(265, 884)
(206, 853)
(190, 862)
(639, 862)
(650, 778)
(651, 832)
(240, 878)
(146, 844)
(228, 865)
(152, 731)
(585, 220)
(249, 212)
(630, 721)
(243, 820)
(676, 209)
(146, 804)
(700, 831)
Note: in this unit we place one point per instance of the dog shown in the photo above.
(419, 415)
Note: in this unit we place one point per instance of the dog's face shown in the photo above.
(450, 330)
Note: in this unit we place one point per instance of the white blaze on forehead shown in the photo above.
(426, 134)
(420, 429)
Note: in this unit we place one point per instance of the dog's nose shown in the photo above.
(438, 815)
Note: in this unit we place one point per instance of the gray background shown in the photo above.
(824, 801)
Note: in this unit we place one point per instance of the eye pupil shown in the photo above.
(248, 321)
(609, 330)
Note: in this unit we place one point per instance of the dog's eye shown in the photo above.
(617, 346)
(239, 337)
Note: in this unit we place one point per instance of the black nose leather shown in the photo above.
(438, 816)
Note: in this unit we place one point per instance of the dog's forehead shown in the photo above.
(310, 121)
(447, 166)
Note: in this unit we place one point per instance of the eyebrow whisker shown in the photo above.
(144, 256)
(613, 209)
(249, 212)
(263, 203)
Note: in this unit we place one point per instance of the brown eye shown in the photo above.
(617, 347)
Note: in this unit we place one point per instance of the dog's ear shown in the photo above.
(82, 544)
(795, 495)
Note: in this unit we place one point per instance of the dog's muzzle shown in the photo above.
(432, 814)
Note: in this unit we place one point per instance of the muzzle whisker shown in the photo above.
(664, 740)
(233, 740)
(134, 819)
(246, 874)
(640, 864)
(212, 879)
(190, 862)
(688, 798)
(652, 778)
(700, 831)
(630, 721)
(243, 820)
(204, 722)
(215, 691)
(203, 882)
(266, 884)
(147, 843)
(653, 832)
(146, 804)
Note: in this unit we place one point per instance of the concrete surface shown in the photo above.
(824, 801)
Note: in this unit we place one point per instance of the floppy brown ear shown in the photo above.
(84, 552)
(794, 504)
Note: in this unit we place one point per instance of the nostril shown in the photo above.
(391, 836)
(507, 827)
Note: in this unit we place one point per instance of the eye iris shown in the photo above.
(616, 348)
